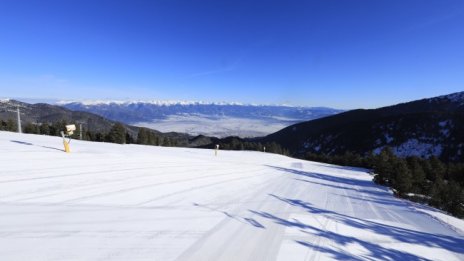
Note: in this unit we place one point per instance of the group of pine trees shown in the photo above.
(117, 134)
(425, 180)
(8, 125)
(148, 137)
(239, 144)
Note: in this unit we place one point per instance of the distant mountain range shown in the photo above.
(194, 118)
(425, 127)
(45, 113)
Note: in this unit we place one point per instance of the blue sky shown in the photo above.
(342, 54)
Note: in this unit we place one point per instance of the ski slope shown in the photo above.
(131, 202)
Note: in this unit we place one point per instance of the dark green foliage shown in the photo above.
(45, 129)
(419, 183)
(437, 170)
(117, 134)
(142, 137)
(235, 143)
(383, 166)
(11, 125)
(167, 142)
(129, 139)
(403, 180)
(149, 137)
(30, 128)
(3, 125)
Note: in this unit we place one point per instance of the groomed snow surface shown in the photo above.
(131, 202)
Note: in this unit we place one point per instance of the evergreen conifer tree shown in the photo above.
(11, 125)
(117, 134)
(142, 136)
(403, 181)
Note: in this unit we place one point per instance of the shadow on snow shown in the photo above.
(401, 235)
(30, 144)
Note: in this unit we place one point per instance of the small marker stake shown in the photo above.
(216, 150)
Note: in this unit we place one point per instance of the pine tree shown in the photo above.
(437, 193)
(167, 142)
(418, 175)
(453, 199)
(45, 129)
(383, 167)
(129, 139)
(11, 125)
(403, 181)
(29, 128)
(437, 169)
(117, 134)
(142, 136)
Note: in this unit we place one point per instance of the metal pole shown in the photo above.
(80, 131)
(19, 121)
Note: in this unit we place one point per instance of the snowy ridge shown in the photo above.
(221, 118)
(457, 97)
(131, 202)
(165, 103)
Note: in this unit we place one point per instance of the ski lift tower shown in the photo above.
(19, 119)
(80, 128)
(18, 113)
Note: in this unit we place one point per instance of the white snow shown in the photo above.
(130, 202)
(377, 150)
(444, 123)
(457, 97)
(388, 138)
(414, 147)
(454, 223)
(444, 127)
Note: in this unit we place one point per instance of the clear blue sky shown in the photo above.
(343, 54)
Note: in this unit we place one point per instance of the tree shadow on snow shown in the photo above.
(249, 221)
(379, 193)
(367, 186)
(30, 144)
(401, 235)
(342, 180)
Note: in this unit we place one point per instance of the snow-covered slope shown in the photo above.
(132, 202)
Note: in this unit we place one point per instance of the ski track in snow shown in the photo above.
(130, 202)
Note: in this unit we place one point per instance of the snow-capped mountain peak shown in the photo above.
(197, 117)
(161, 103)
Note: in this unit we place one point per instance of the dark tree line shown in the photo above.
(235, 143)
(35, 128)
(117, 134)
(8, 125)
(148, 137)
(424, 180)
